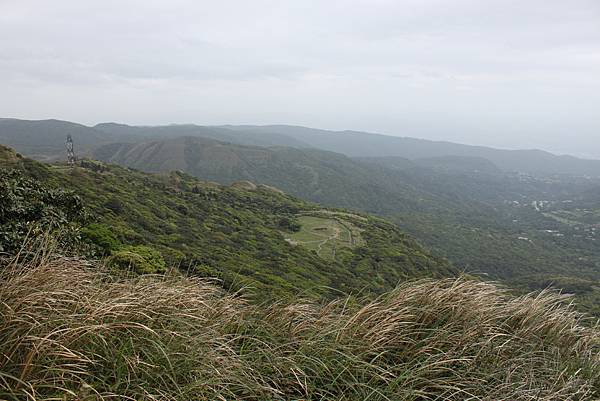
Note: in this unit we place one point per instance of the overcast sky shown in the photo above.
(513, 74)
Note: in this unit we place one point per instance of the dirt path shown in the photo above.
(334, 236)
(334, 213)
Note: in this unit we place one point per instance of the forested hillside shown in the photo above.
(466, 208)
(246, 235)
(107, 329)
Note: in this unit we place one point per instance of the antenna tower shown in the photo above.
(70, 154)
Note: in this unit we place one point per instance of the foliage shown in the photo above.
(30, 208)
(101, 236)
(290, 224)
(234, 234)
(140, 259)
(452, 198)
(460, 215)
(149, 338)
(459, 207)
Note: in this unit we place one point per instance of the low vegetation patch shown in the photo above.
(70, 330)
(140, 259)
(325, 236)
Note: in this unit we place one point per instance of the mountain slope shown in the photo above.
(220, 133)
(463, 208)
(239, 233)
(320, 176)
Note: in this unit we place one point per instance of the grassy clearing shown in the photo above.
(72, 331)
(325, 235)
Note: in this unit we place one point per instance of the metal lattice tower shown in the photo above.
(70, 153)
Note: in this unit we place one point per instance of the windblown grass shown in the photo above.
(71, 331)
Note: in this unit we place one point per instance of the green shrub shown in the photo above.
(141, 259)
(30, 208)
(114, 204)
(102, 236)
(93, 165)
(289, 224)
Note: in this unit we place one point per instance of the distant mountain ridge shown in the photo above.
(44, 140)
(362, 144)
(321, 176)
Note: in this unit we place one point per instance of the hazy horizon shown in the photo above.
(502, 73)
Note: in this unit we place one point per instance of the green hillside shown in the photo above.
(319, 176)
(101, 332)
(236, 233)
(464, 208)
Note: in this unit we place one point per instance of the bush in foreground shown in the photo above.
(68, 331)
(30, 208)
(140, 259)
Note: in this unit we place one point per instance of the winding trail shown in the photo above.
(325, 235)
(334, 236)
